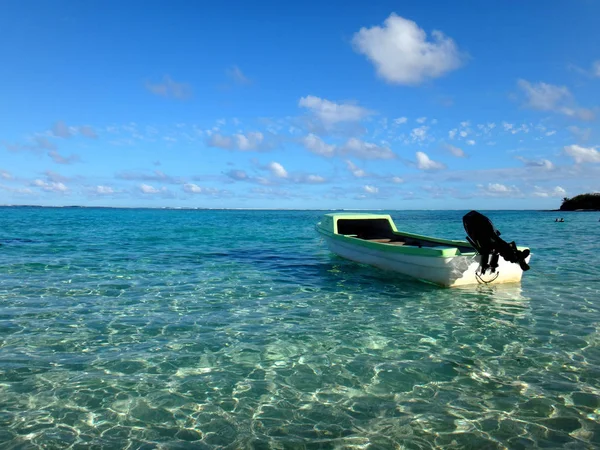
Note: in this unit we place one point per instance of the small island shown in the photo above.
(583, 202)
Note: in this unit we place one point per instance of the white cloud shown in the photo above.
(583, 154)
(370, 189)
(556, 192)
(277, 170)
(51, 186)
(402, 53)
(486, 128)
(357, 172)
(365, 150)
(458, 152)
(542, 163)
(103, 190)
(331, 113)
(548, 97)
(424, 163)
(5, 175)
(471, 142)
(192, 188)
(19, 191)
(397, 180)
(147, 189)
(422, 120)
(452, 133)
(316, 145)
(463, 133)
(170, 89)
(596, 68)
(150, 190)
(310, 179)
(419, 134)
(251, 141)
(500, 190)
(551, 133)
(400, 120)
(507, 126)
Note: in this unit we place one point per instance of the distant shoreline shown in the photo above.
(189, 208)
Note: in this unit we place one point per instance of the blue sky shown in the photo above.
(396, 105)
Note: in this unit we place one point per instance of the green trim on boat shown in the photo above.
(447, 247)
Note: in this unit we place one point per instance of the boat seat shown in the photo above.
(381, 240)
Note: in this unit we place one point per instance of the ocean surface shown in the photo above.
(176, 329)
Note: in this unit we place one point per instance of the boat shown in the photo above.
(373, 239)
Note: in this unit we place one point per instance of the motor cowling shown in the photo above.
(485, 238)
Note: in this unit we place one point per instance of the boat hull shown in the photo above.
(450, 271)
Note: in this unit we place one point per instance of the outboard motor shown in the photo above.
(482, 235)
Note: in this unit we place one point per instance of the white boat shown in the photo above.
(374, 239)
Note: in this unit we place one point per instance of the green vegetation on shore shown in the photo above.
(583, 201)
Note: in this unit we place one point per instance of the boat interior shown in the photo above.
(380, 230)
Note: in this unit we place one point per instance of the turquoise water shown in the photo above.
(238, 329)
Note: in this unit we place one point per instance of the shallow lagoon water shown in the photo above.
(239, 329)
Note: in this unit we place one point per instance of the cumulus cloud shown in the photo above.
(316, 145)
(277, 170)
(356, 171)
(500, 190)
(15, 190)
(370, 189)
(544, 164)
(556, 192)
(458, 152)
(424, 163)
(51, 186)
(147, 189)
(419, 134)
(402, 53)
(192, 188)
(583, 154)
(421, 120)
(309, 179)
(250, 141)
(365, 150)
(331, 113)
(397, 180)
(470, 142)
(103, 190)
(169, 88)
(548, 97)
(5, 175)
(400, 120)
